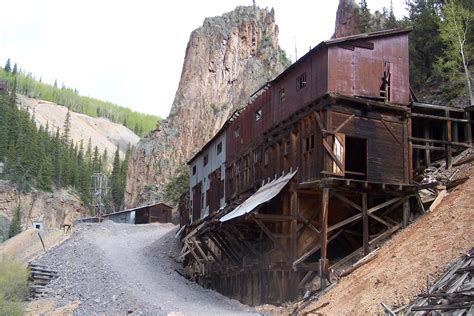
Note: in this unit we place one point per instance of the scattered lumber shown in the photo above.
(40, 276)
(453, 293)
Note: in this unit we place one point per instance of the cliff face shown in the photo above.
(347, 18)
(226, 60)
(51, 209)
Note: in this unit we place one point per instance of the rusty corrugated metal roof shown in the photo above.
(264, 194)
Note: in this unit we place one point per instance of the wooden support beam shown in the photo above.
(201, 252)
(307, 223)
(346, 200)
(324, 236)
(273, 217)
(365, 224)
(343, 124)
(390, 130)
(369, 211)
(426, 134)
(467, 128)
(448, 137)
(270, 235)
(406, 211)
(439, 118)
(438, 141)
(385, 234)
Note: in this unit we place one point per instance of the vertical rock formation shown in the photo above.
(226, 60)
(347, 18)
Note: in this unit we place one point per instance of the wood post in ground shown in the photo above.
(365, 224)
(324, 237)
(406, 211)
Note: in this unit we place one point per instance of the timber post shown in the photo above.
(323, 273)
(365, 223)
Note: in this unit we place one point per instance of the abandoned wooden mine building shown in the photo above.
(316, 169)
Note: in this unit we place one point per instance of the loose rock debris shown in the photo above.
(120, 268)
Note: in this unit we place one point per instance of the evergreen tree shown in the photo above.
(15, 69)
(425, 43)
(66, 129)
(116, 181)
(15, 225)
(364, 17)
(454, 30)
(96, 163)
(46, 174)
(8, 66)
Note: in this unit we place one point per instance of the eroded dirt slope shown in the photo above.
(401, 268)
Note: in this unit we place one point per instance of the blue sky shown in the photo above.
(131, 52)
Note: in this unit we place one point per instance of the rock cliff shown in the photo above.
(49, 209)
(226, 60)
(347, 18)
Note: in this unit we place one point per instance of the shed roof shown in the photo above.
(138, 208)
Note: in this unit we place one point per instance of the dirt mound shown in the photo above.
(401, 268)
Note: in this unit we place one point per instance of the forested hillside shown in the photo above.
(27, 85)
(441, 46)
(47, 159)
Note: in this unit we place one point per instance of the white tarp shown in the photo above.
(264, 194)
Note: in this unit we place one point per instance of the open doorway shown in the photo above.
(356, 158)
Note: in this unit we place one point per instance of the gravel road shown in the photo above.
(118, 269)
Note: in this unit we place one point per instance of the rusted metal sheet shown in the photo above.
(264, 194)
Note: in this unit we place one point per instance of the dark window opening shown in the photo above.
(237, 132)
(356, 158)
(37, 226)
(301, 82)
(385, 86)
(258, 115)
(206, 160)
(282, 95)
(309, 143)
(219, 148)
(194, 170)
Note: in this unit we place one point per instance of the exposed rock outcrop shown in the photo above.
(226, 60)
(347, 18)
(103, 133)
(50, 209)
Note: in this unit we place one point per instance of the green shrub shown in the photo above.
(13, 287)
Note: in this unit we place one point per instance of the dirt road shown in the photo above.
(120, 268)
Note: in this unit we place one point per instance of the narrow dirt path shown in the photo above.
(119, 268)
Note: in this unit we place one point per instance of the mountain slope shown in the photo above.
(103, 133)
(400, 270)
(227, 59)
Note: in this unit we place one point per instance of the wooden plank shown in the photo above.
(427, 148)
(308, 223)
(343, 123)
(438, 141)
(439, 118)
(334, 158)
(406, 212)
(346, 200)
(389, 129)
(437, 201)
(384, 204)
(365, 224)
(201, 252)
(270, 235)
(324, 222)
(273, 217)
(436, 107)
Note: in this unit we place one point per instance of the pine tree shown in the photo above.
(15, 69)
(66, 129)
(116, 181)
(8, 66)
(45, 177)
(15, 225)
(454, 31)
(364, 17)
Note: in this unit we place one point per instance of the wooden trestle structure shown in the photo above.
(269, 258)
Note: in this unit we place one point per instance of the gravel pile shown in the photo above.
(129, 269)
